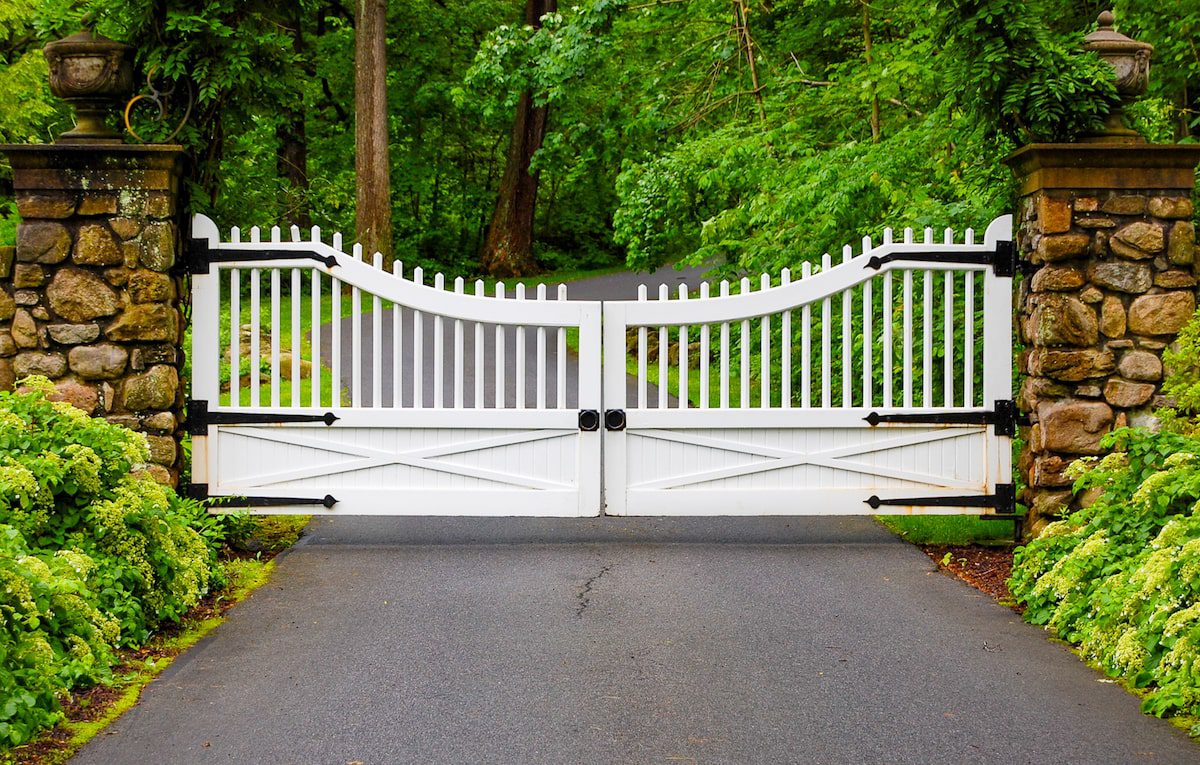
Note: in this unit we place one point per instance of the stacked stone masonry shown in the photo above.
(90, 297)
(1115, 282)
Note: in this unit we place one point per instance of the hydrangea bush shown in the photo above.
(1121, 578)
(93, 554)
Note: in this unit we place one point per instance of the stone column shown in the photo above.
(92, 300)
(1107, 232)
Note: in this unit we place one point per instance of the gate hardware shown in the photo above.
(1004, 418)
(614, 419)
(200, 256)
(199, 492)
(589, 420)
(199, 418)
(1004, 501)
(1004, 260)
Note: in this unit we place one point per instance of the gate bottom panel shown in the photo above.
(793, 463)
(481, 463)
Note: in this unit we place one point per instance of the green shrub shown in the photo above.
(93, 554)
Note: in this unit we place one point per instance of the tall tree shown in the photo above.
(508, 249)
(374, 217)
(292, 156)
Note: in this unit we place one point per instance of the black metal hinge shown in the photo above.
(199, 418)
(199, 492)
(201, 256)
(1003, 260)
(1003, 417)
(1004, 501)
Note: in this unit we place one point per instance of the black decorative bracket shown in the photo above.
(614, 419)
(199, 418)
(199, 492)
(1003, 260)
(1003, 417)
(589, 420)
(201, 256)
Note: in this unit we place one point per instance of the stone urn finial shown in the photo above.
(93, 74)
(1130, 59)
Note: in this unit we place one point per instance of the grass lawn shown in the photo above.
(948, 529)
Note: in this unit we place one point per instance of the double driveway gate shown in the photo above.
(877, 384)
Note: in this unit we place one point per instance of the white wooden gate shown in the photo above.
(849, 390)
(455, 430)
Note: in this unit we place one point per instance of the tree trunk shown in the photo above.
(292, 156)
(876, 131)
(374, 214)
(508, 248)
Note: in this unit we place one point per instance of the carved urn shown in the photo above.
(93, 74)
(1130, 59)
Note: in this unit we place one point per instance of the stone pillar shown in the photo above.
(1108, 235)
(91, 298)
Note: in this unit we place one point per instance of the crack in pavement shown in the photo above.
(583, 595)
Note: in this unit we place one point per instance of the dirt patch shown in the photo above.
(986, 568)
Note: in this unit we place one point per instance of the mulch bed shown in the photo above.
(985, 568)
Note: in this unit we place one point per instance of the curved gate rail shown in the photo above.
(390, 428)
(851, 390)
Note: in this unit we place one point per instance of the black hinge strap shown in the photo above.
(1004, 417)
(201, 256)
(199, 418)
(234, 501)
(1003, 260)
(1003, 501)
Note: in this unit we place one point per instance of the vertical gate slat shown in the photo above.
(335, 340)
(397, 343)
(948, 340)
(847, 331)
(540, 376)
(705, 352)
(296, 300)
(235, 336)
(868, 312)
(480, 291)
(826, 338)
(969, 338)
(806, 344)
(724, 352)
(642, 352)
(275, 337)
(888, 315)
(356, 352)
(664, 342)
(908, 337)
(785, 348)
(458, 351)
(418, 357)
(315, 318)
(377, 341)
(765, 351)
(500, 394)
(683, 355)
(439, 350)
(560, 372)
(744, 376)
(255, 318)
(521, 397)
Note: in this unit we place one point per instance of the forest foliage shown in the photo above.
(748, 133)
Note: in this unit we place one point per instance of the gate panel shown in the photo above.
(852, 390)
(392, 397)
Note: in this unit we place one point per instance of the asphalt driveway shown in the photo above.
(718, 640)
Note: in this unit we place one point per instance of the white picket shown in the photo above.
(418, 354)
(683, 355)
(540, 367)
(255, 337)
(785, 348)
(458, 351)
(643, 339)
(806, 344)
(765, 351)
(235, 333)
(439, 351)
(744, 377)
(664, 341)
(478, 371)
(520, 351)
(501, 395)
(724, 352)
(560, 372)
(705, 352)
(356, 352)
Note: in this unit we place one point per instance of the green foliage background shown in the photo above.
(659, 146)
